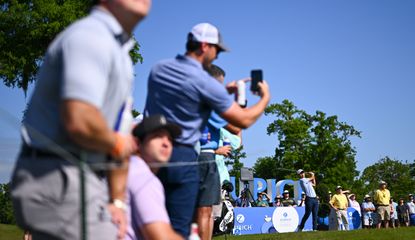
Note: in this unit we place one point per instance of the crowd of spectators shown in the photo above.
(382, 211)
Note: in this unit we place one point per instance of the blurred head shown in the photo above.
(206, 42)
(259, 195)
(127, 12)
(382, 185)
(155, 138)
(339, 189)
(216, 72)
(286, 194)
(301, 173)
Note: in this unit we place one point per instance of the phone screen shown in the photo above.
(256, 76)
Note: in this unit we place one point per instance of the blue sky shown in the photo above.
(354, 59)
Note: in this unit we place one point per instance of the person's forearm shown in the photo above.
(233, 129)
(86, 126)
(117, 181)
(245, 117)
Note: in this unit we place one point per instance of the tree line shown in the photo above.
(322, 144)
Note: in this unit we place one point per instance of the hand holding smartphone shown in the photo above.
(256, 77)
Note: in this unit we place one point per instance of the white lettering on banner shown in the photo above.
(244, 227)
(285, 219)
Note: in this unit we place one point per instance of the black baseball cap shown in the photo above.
(153, 123)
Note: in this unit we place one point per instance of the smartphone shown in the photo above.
(256, 77)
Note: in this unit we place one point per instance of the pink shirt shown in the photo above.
(145, 198)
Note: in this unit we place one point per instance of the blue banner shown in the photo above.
(257, 220)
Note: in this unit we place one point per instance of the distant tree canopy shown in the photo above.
(27, 28)
(317, 143)
(394, 172)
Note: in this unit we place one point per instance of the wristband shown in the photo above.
(116, 151)
(119, 204)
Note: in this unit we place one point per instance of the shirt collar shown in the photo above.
(190, 60)
(114, 26)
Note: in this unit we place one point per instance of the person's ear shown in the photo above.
(204, 47)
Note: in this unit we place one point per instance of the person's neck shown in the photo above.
(126, 20)
(149, 163)
(195, 55)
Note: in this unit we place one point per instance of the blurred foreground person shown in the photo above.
(80, 108)
(147, 214)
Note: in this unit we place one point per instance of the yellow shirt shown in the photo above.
(339, 201)
(382, 197)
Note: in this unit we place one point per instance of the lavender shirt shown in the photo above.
(145, 198)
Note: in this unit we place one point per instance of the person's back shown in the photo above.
(181, 90)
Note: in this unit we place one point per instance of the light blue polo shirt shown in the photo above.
(307, 187)
(86, 62)
(185, 93)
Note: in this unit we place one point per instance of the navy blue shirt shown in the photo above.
(185, 94)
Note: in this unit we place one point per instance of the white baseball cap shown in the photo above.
(206, 32)
(299, 171)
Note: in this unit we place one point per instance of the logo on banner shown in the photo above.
(285, 219)
(240, 218)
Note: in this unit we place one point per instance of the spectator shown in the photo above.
(354, 204)
(83, 86)
(148, 219)
(286, 200)
(183, 91)
(403, 213)
(411, 209)
(339, 204)
(382, 197)
(394, 214)
(243, 200)
(368, 210)
(301, 202)
(277, 201)
(209, 183)
(311, 203)
(262, 200)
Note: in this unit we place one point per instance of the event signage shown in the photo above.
(257, 220)
(270, 186)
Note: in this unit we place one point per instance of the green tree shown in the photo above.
(234, 159)
(6, 209)
(265, 168)
(396, 173)
(317, 143)
(27, 28)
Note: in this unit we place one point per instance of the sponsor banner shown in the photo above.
(257, 220)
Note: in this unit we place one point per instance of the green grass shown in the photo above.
(405, 233)
(10, 232)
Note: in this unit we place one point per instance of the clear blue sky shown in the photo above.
(354, 59)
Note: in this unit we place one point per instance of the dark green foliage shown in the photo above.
(27, 28)
(135, 113)
(317, 143)
(6, 209)
(396, 173)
